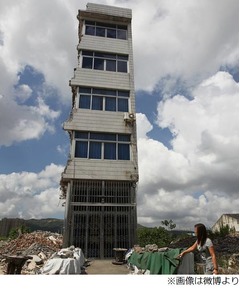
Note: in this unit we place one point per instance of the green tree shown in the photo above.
(16, 232)
(159, 236)
(169, 224)
(224, 230)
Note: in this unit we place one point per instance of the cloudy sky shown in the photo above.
(186, 80)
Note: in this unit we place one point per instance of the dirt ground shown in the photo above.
(99, 267)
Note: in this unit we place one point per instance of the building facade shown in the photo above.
(230, 220)
(100, 179)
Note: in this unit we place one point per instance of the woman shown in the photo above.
(205, 247)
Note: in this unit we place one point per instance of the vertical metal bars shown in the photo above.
(103, 216)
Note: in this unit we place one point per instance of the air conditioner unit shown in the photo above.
(129, 116)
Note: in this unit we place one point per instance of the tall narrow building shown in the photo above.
(100, 179)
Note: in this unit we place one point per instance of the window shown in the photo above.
(84, 101)
(95, 150)
(106, 146)
(110, 104)
(81, 149)
(97, 103)
(105, 30)
(103, 99)
(110, 151)
(104, 61)
(123, 152)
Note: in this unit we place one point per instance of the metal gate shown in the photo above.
(98, 229)
(103, 217)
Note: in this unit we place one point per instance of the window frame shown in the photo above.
(82, 138)
(116, 94)
(101, 29)
(101, 60)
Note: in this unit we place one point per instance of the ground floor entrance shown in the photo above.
(102, 216)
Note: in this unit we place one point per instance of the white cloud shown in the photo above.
(184, 209)
(187, 39)
(19, 122)
(144, 126)
(41, 34)
(23, 92)
(201, 171)
(190, 40)
(173, 39)
(208, 124)
(31, 195)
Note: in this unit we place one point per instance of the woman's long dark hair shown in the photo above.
(201, 233)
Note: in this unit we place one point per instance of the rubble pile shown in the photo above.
(33, 243)
(225, 245)
(228, 244)
(183, 243)
(40, 245)
(226, 248)
(149, 248)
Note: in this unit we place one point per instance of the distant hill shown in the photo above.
(48, 224)
(174, 232)
(139, 226)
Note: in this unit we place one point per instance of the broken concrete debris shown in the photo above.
(35, 250)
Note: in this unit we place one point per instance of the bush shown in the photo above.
(159, 236)
(15, 232)
(223, 231)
